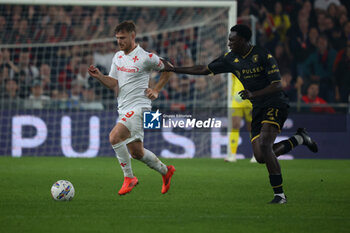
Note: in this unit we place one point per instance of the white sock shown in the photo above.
(299, 139)
(153, 162)
(124, 159)
(281, 195)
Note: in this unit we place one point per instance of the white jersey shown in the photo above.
(132, 72)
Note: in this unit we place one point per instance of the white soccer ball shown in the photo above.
(62, 190)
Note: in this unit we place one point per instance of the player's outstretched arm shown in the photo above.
(194, 70)
(104, 79)
(153, 93)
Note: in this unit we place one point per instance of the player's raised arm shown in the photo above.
(194, 70)
(107, 81)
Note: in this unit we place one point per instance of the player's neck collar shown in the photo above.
(133, 50)
(249, 51)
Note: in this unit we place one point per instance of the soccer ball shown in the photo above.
(62, 190)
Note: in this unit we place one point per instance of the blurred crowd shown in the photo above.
(51, 48)
(309, 39)
(311, 42)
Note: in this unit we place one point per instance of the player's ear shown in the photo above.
(133, 35)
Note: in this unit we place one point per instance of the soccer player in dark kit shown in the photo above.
(258, 71)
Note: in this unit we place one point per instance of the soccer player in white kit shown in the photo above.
(130, 73)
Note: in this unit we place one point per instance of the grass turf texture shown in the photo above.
(206, 195)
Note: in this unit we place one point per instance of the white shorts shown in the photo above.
(133, 120)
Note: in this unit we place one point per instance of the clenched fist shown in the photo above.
(94, 72)
(151, 93)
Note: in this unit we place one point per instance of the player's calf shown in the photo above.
(136, 150)
(301, 137)
(257, 154)
(152, 161)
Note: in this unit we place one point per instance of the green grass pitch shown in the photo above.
(207, 195)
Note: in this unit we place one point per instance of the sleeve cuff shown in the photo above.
(211, 72)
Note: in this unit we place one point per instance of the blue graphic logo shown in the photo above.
(152, 120)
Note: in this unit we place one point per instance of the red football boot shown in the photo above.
(128, 185)
(167, 178)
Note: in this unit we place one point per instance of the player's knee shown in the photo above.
(259, 157)
(115, 138)
(260, 160)
(257, 152)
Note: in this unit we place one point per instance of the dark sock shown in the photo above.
(293, 141)
(288, 145)
(276, 183)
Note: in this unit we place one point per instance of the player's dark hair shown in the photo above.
(127, 26)
(243, 31)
